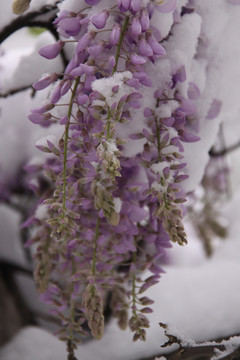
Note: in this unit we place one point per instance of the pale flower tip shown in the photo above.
(20, 6)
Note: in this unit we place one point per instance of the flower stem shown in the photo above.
(66, 142)
(134, 288)
(158, 140)
(108, 124)
(124, 29)
(95, 247)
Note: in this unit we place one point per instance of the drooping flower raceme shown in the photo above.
(110, 215)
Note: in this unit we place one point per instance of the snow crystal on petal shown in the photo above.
(104, 86)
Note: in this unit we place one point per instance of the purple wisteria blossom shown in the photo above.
(110, 217)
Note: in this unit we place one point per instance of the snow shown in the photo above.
(6, 15)
(199, 300)
(216, 46)
(10, 244)
(182, 46)
(43, 141)
(17, 60)
(104, 87)
(117, 204)
(159, 167)
(41, 211)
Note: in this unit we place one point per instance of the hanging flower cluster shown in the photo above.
(206, 204)
(110, 216)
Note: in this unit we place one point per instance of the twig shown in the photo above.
(32, 19)
(224, 151)
(15, 91)
(26, 19)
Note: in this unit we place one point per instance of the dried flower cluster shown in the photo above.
(110, 215)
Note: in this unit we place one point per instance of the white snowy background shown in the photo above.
(198, 297)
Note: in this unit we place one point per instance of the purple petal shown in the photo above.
(188, 107)
(39, 118)
(146, 310)
(42, 109)
(137, 214)
(144, 20)
(56, 95)
(92, 2)
(134, 104)
(137, 59)
(70, 25)
(115, 35)
(158, 93)
(181, 178)
(96, 49)
(115, 89)
(148, 112)
(133, 83)
(143, 78)
(88, 69)
(64, 120)
(135, 136)
(193, 91)
(214, 110)
(112, 61)
(156, 47)
(168, 121)
(82, 99)
(51, 51)
(83, 43)
(135, 5)
(180, 75)
(135, 96)
(45, 82)
(144, 48)
(99, 20)
(78, 71)
(65, 88)
(124, 5)
(135, 28)
(71, 65)
(167, 6)
(188, 137)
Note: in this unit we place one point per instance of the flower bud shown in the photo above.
(51, 51)
(135, 5)
(144, 48)
(45, 82)
(70, 25)
(155, 46)
(124, 5)
(99, 20)
(135, 28)
(83, 43)
(144, 20)
(19, 6)
(115, 35)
